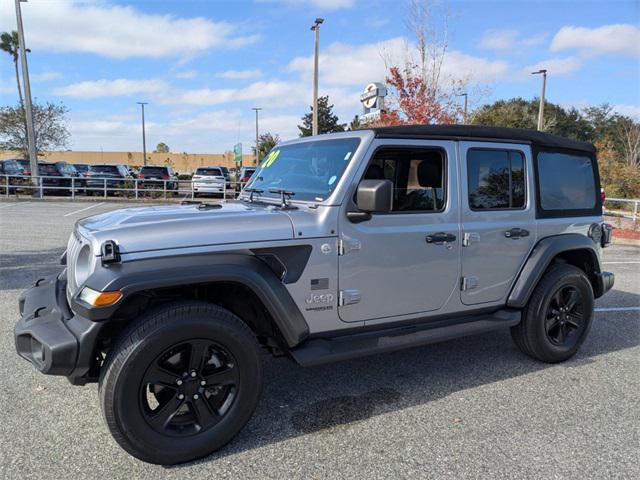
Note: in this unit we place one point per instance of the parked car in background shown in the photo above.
(26, 166)
(154, 177)
(11, 172)
(111, 176)
(57, 177)
(243, 177)
(209, 180)
(227, 177)
(82, 169)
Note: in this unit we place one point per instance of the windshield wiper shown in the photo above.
(285, 197)
(252, 191)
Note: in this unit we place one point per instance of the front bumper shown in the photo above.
(50, 336)
(605, 283)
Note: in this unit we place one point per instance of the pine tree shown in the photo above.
(327, 121)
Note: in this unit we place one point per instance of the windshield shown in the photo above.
(12, 167)
(104, 169)
(310, 169)
(81, 168)
(158, 171)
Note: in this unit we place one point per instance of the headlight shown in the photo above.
(84, 265)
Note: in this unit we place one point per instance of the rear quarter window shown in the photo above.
(566, 181)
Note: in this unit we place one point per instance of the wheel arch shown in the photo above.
(220, 278)
(574, 249)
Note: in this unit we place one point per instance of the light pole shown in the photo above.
(465, 95)
(31, 134)
(144, 139)
(541, 109)
(257, 109)
(316, 29)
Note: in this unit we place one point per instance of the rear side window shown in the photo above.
(496, 179)
(567, 181)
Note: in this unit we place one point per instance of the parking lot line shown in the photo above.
(618, 309)
(14, 204)
(83, 209)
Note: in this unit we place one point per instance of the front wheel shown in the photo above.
(558, 316)
(181, 382)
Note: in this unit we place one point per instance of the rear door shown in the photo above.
(498, 218)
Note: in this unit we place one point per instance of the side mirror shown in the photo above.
(372, 196)
(375, 195)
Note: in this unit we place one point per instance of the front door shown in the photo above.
(405, 262)
(498, 218)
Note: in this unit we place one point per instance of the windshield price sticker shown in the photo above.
(271, 158)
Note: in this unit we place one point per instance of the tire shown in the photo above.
(206, 417)
(558, 317)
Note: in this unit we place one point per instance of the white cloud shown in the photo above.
(240, 74)
(345, 65)
(110, 88)
(117, 31)
(632, 111)
(618, 38)
(45, 76)
(508, 39)
(556, 66)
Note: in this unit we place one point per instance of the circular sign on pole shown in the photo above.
(373, 95)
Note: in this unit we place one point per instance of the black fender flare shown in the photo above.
(539, 260)
(163, 272)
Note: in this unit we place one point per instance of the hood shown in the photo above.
(179, 226)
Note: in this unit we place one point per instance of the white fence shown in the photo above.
(631, 213)
(132, 188)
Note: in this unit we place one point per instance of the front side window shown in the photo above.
(567, 182)
(496, 179)
(311, 170)
(418, 176)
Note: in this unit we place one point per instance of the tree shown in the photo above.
(266, 142)
(355, 123)
(9, 43)
(420, 92)
(161, 148)
(50, 125)
(521, 113)
(327, 121)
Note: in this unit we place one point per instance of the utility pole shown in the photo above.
(31, 134)
(541, 109)
(465, 95)
(144, 139)
(257, 109)
(316, 29)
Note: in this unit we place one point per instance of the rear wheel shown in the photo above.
(181, 382)
(558, 316)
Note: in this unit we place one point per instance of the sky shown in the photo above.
(202, 65)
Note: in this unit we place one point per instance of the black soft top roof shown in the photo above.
(483, 133)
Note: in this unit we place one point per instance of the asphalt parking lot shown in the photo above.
(469, 408)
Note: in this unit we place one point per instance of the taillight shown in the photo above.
(245, 179)
(141, 175)
(603, 195)
(165, 177)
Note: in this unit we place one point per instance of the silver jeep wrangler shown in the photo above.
(340, 246)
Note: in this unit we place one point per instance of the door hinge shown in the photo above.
(346, 245)
(348, 297)
(468, 283)
(469, 238)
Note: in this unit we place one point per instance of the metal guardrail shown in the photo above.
(634, 212)
(134, 188)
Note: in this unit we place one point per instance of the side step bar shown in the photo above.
(325, 350)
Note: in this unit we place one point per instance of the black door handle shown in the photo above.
(441, 237)
(516, 233)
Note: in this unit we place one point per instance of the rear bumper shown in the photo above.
(605, 282)
(50, 336)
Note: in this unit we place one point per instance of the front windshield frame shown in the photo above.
(334, 170)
